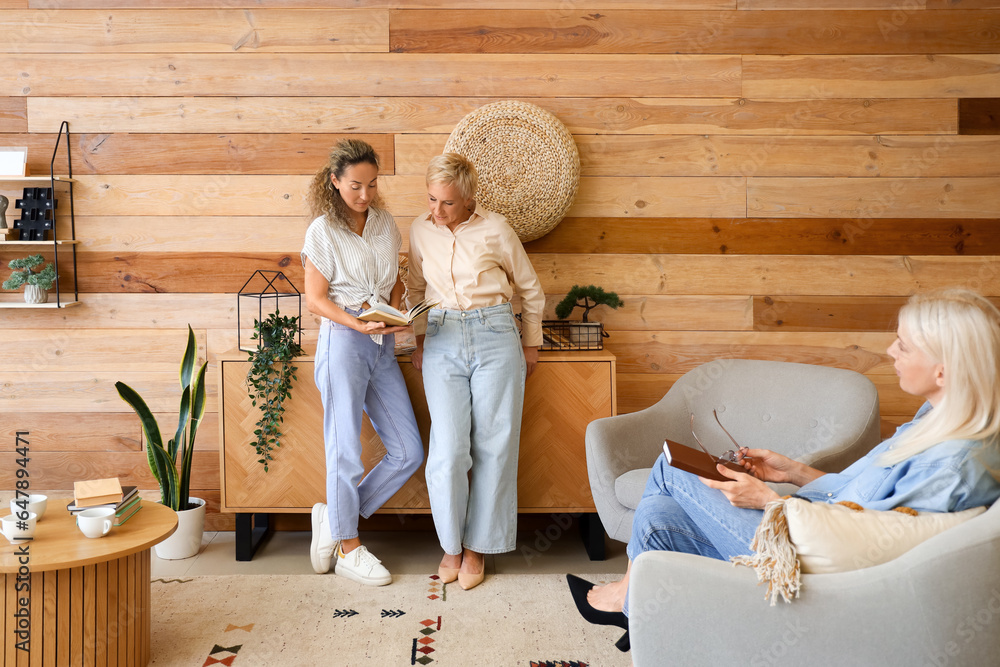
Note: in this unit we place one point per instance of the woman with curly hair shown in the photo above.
(351, 262)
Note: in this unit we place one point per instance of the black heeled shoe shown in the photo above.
(578, 588)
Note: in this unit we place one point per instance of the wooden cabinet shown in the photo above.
(567, 391)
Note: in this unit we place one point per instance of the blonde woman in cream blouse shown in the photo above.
(474, 363)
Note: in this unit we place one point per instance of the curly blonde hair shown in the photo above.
(324, 198)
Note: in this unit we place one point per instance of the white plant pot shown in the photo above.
(186, 540)
(35, 294)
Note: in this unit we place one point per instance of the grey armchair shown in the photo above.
(826, 417)
(936, 605)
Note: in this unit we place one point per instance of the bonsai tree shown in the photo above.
(270, 378)
(588, 298)
(23, 275)
(171, 465)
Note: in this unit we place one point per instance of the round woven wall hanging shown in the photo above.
(528, 165)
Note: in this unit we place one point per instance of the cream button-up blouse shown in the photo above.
(481, 264)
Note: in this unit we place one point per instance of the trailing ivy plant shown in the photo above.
(269, 380)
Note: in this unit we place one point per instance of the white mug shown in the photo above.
(17, 530)
(36, 503)
(96, 522)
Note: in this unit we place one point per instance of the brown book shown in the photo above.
(697, 462)
(97, 492)
(129, 495)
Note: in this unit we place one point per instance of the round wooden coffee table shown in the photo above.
(86, 601)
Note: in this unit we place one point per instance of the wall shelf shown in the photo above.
(55, 242)
(73, 242)
(21, 304)
(36, 179)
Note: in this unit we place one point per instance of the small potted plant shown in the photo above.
(36, 285)
(171, 464)
(269, 380)
(584, 335)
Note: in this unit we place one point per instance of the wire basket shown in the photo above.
(562, 335)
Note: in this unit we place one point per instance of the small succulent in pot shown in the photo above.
(36, 284)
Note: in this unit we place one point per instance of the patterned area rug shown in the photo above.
(253, 620)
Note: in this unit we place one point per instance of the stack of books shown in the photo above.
(127, 508)
(106, 493)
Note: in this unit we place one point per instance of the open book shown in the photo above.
(697, 462)
(382, 312)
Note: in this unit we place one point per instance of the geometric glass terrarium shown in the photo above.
(264, 293)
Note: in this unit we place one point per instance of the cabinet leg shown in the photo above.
(250, 533)
(592, 532)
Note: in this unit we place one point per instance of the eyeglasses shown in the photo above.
(734, 456)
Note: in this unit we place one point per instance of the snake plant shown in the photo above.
(171, 465)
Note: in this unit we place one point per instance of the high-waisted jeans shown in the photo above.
(474, 369)
(353, 373)
(679, 513)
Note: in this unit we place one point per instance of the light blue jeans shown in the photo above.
(353, 373)
(679, 513)
(474, 369)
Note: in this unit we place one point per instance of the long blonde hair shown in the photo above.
(960, 330)
(324, 198)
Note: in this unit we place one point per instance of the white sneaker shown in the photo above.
(323, 545)
(361, 566)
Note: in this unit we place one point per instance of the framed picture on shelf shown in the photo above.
(13, 161)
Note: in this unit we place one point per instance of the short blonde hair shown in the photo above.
(454, 169)
(960, 330)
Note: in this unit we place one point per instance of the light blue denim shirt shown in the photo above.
(948, 477)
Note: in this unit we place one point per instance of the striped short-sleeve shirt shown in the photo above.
(358, 268)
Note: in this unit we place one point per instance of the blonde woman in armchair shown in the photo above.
(946, 459)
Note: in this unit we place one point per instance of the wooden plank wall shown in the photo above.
(761, 178)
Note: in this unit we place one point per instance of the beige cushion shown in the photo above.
(835, 538)
(796, 536)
